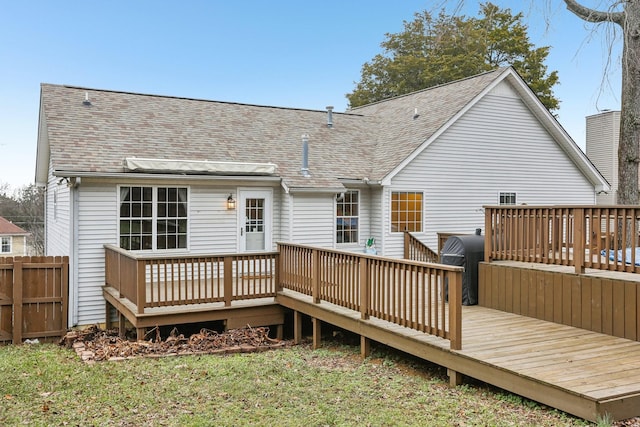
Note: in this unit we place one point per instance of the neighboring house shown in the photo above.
(603, 136)
(154, 173)
(13, 239)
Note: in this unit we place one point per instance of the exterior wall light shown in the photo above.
(231, 202)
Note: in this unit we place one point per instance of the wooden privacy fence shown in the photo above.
(407, 293)
(604, 238)
(161, 280)
(33, 297)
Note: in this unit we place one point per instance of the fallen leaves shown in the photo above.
(95, 344)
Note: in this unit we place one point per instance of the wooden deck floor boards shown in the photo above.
(582, 372)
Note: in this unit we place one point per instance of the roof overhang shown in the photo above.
(121, 176)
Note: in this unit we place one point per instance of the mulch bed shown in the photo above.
(94, 344)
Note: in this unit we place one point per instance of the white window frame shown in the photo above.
(6, 241)
(154, 217)
(349, 217)
(504, 194)
(391, 227)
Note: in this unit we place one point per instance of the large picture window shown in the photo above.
(153, 218)
(406, 211)
(5, 245)
(347, 212)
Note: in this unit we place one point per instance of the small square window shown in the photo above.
(507, 198)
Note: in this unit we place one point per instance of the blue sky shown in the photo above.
(289, 53)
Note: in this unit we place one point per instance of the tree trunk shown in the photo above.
(628, 150)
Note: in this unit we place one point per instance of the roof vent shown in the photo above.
(415, 113)
(86, 99)
(305, 156)
(330, 116)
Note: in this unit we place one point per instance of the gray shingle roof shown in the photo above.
(365, 142)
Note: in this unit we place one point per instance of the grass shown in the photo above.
(47, 385)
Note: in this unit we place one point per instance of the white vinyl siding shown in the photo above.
(286, 206)
(497, 142)
(314, 219)
(97, 226)
(213, 229)
(58, 226)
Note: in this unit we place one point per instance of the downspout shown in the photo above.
(73, 261)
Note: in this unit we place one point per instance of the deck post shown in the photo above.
(407, 242)
(365, 346)
(297, 327)
(315, 276)
(488, 234)
(121, 325)
(364, 288)
(455, 378)
(141, 285)
(317, 333)
(455, 309)
(276, 272)
(578, 240)
(228, 280)
(107, 317)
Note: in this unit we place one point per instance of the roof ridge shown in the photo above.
(186, 98)
(496, 70)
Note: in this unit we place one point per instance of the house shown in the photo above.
(13, 239)
(603, 136)
(174, 175)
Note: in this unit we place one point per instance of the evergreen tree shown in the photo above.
(436, 50)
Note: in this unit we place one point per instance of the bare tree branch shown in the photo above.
(592, 15)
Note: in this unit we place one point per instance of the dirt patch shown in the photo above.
(94, 344)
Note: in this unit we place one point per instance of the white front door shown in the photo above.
(254, 212)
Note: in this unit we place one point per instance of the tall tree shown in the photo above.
(436, 50)
(25, 208)
(626, 14)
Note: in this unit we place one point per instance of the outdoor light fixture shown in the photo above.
(231, 202)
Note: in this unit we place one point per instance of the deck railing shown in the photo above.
(415, 250)
(600, 237)
(407, 293)
(161, 280)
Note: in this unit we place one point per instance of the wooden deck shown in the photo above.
(554, 359)
(254, 312)
(580, 372)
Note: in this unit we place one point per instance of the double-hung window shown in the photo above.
(406, 211)
(5, 245)
(347, 211)
(153, 218)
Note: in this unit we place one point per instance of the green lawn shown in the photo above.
(48, 385)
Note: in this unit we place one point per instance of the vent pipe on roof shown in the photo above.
(305, 156)
(86, 99)
(330, 116)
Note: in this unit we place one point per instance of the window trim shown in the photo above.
(422, 210)
(357, 217)
(154, 218)
(3, 244)
(507, 194)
